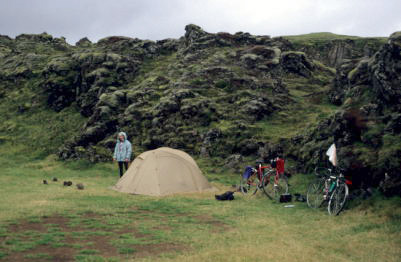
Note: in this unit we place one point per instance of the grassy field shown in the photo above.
(55, 223)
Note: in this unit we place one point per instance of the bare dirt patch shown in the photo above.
(70, 246)
(217, 226)
(27, 226)
(99, 243)
(40, 226)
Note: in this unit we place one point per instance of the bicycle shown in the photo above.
(271, 180)
(330, 187)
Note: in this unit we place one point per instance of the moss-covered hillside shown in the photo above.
(220, 95)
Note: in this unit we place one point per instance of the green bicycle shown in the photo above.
(329, 187)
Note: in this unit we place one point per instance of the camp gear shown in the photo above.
(329, 187)
(123, 149)
(280, 165)
(276, 185)
(332, 154)
(252, 179)
(67, 183)
(284, 198)
(55, 179)
(266, 178)
(248, 172)
(289, 206)
(161, 172)
(300, 198)
(229, 195)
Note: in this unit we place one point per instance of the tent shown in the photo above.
(163, 171)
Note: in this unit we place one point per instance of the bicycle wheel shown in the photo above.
(268, 185)
(338, 199)
(249, 186)
(315, 193)
(272, 190)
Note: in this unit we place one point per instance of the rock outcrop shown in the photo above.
(191, 94)
(367, 128)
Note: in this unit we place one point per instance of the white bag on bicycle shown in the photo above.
(332, 154)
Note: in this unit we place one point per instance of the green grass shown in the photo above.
(309, 106)
(319, 36)
(325, 36)
(36, 132)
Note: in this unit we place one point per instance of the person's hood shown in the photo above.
(122, 134)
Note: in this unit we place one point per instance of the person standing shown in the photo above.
(122, 152)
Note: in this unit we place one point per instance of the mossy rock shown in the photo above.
(297, 63)
(112, 100)
(395, 39)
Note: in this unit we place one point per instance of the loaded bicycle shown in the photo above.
(268, 178)
(330, 187)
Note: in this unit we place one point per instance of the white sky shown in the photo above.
(159, 19)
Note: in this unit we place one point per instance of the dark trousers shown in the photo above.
(121, 166)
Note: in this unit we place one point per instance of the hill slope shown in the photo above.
(213, 95)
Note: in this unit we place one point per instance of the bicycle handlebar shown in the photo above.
(328, 172)
(318, 173)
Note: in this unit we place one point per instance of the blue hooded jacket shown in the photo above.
(123, 150)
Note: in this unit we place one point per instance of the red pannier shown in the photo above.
(280, 166)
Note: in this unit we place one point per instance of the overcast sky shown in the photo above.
(159, 19)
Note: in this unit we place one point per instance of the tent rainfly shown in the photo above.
(161, 172)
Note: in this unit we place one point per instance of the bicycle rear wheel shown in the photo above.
(249, 186)
(338, 199)
(272, 190)
(315, 194)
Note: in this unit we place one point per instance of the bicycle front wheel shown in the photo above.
(249, 186)
(338, 199)
(315, 194)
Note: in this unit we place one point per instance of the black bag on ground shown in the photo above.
(299, 197)
(284, 198)
(229, 195)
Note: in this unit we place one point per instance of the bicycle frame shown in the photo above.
(262, 172)
(261, 178)
(331, 183)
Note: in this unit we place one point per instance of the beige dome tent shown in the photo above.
(163, 171)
